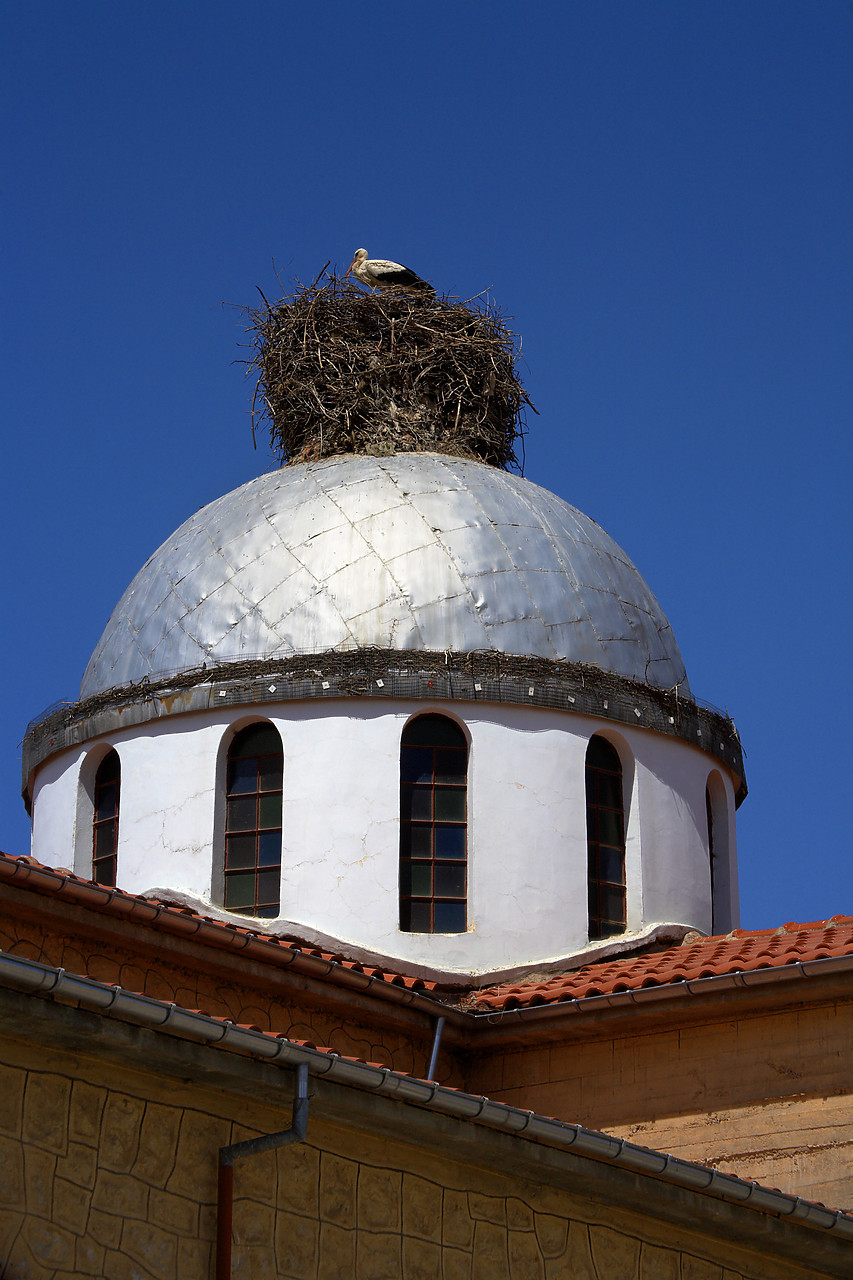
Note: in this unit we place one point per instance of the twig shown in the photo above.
(446, 368)
(320, 276)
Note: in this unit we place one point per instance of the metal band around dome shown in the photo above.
(476, 677)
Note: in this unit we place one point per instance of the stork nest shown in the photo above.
(344, 371)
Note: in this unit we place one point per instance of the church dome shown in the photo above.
(410, 552)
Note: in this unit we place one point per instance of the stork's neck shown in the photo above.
(357, 267)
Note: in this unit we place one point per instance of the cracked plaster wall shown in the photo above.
(527, 825)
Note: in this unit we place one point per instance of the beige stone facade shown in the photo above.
(760, 1093)
(109, 1142)
(756, 1086)
(224, 984)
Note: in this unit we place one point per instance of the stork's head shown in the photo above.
(359, 256)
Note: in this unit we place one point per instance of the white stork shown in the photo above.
(379, 274)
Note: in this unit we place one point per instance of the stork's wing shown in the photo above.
(391, 273)
(380, 266)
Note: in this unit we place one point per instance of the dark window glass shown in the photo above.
(610, 864)
(239, 852)
(272, 772)
(269, 848)
(104, 846)
(105, 822)
(240, 892)
(605, 834)
(416, 916)
(433, 827)
(450, 766)
(269, 811)
(416, 765)
(450, 880)
(256, 741)
(449, 917)
(416, 803)
(253, 822)
(434, 731)
(107, 801)
(611, 929)
(242, 814)
(420, 879)
(420, 842)
(609, 831)
(450, 842)
(243, 776)
(449, 805)
(612, 900)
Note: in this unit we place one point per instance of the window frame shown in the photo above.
(247, 825)
(105, 826)
(433, 855)
(720, 867)
(608, 854)
(712, 853)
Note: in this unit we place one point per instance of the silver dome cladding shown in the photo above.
(415, 551)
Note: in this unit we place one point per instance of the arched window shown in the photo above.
(253, 822)
(605, 837)
(712, 857)
(723, 909)
(105, 820)
(433, 827)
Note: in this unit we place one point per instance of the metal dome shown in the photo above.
(415, 551)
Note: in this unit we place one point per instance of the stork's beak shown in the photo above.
(349, 269)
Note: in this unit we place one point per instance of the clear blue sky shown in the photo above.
(658, 193)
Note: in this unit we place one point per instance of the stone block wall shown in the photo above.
(764, 1096)
(220, 984)
(107, 1170)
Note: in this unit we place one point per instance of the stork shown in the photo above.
(380, 274)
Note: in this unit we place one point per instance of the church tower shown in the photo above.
(395, 701)
(387, 844)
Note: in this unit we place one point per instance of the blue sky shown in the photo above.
(659, 194)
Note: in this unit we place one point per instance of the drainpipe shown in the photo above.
(433, 1057)
(254, 1146)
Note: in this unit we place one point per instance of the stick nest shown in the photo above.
(344, 371)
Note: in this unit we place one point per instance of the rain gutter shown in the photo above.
(644, 996)
(200, 1028)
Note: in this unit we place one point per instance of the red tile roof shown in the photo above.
(742, 951)
(58, 882)
(739, 952)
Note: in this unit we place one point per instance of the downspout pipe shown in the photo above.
(433, 1057)
(253, 1147)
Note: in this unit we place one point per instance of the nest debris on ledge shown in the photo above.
(344, 371)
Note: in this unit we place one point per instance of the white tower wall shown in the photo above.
(527, 858)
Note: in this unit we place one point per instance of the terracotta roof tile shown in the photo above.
(58, 882)
(741, 951)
